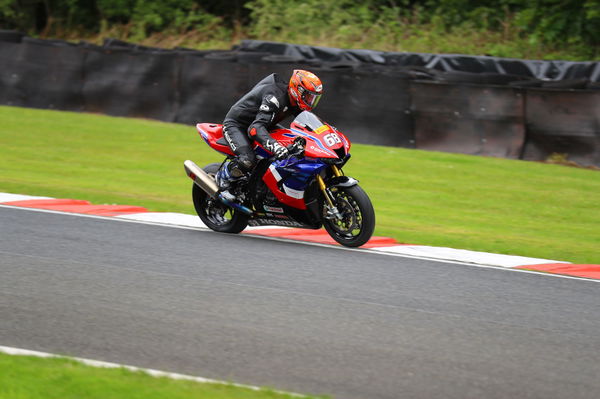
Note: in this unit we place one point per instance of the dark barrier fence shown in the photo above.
(555, 70)
(41, 74)
(134, 83)
(560, 121)
(479, 120)
(371, 108)
(474, 105)
(211, 86)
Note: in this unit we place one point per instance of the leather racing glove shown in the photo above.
(280, 151)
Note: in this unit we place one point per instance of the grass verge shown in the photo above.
(440, 199)
(28, 377)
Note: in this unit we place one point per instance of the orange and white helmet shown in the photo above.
(305, 89)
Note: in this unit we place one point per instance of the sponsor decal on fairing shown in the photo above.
(273, 209)
(293, 193)
(261, 222)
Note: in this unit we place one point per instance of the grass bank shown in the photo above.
(27, 377)
(441, 199)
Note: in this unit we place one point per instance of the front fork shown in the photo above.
(331, 209)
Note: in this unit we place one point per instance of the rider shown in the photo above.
(269, 102)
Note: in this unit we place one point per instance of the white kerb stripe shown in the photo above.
(463, 255)
(8, 197)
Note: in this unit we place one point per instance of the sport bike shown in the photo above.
(308, 189)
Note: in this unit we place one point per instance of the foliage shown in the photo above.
(504, 24)
(531, 28)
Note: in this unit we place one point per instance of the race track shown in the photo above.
(292, 316)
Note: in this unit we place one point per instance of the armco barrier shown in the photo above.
(475, 105)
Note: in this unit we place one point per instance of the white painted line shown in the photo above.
(178, 219)
(463, 255)
(155, 373)
(8, 197)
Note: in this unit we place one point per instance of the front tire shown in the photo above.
(213, 213)
(356, 223)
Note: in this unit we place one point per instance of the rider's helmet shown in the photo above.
(305, 89)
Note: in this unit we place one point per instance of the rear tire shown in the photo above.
(357, 224)
(213, 213)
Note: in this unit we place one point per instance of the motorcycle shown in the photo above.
(306, 190)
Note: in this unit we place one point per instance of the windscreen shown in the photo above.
(309, 120)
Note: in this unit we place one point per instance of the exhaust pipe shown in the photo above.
(201, 178)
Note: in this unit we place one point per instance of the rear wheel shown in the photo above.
(354, 223)
(216, 215)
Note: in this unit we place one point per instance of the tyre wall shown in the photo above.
(489, 106)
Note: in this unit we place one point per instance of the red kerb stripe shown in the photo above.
(588, 271)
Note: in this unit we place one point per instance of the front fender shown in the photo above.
(342, 181)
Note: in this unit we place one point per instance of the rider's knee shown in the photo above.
(243, 164)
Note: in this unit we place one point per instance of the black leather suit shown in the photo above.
(253, 115)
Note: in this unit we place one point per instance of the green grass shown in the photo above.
(26, 377)
(441, 199)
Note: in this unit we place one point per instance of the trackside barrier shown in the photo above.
(133, 83)
(565, 122)
(41, 74)
(475, 105)
(551, 70)
(472, 119)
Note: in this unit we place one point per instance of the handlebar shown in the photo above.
(295, 149)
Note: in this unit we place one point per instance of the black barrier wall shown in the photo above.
(489, 106)
(374, 108)
(563, 121)
(41, 74)
(133, 83)
(472, 119)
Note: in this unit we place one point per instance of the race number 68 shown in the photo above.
(332, 139)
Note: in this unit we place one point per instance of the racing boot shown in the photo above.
(225, 177)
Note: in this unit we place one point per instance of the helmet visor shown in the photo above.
(311, 99)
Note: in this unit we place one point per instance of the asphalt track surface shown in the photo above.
(296, 317)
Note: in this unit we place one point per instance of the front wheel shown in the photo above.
(216, 215)
(353, 223)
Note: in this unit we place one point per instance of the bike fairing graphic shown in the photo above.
(293, 175)
(289, 178)
(293, 188)
(307, 189)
